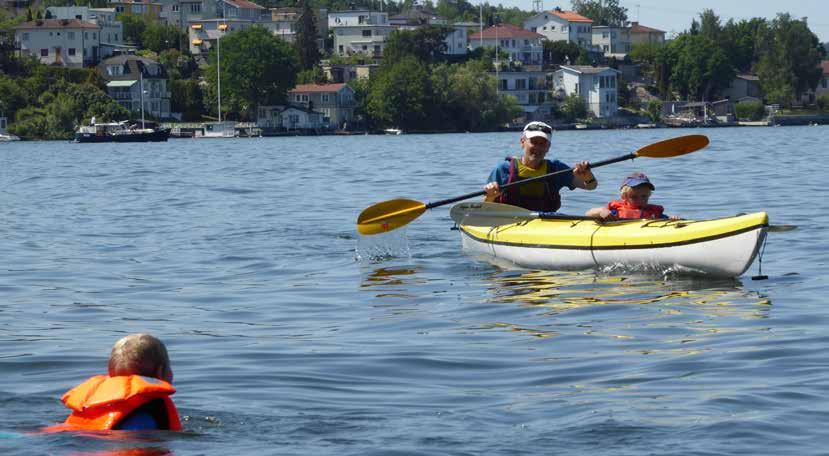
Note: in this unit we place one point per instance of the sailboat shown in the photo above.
(218, 129)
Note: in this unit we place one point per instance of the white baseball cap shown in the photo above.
(538, 129)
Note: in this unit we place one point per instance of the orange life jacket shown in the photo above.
(623, 209)
(101, 402)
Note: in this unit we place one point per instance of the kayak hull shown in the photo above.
(724, 247)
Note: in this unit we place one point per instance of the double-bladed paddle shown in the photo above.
(392, 214)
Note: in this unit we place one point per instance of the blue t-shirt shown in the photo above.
(501, 174)
(140, 420)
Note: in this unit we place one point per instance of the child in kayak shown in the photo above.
(135, 396)
(635, 191)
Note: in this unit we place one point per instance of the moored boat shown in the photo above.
(119, 132)
(722, 247)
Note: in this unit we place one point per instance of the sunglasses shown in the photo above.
(537, 127)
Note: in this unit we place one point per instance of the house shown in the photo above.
(283, 24)
(180, 13)
(335, 101)
(558, 25)
(823, 84)
(639, 34)
(203, 34)
(128, 74)
(359, 31)
(743, 85)
(419, 16)
(242, 9)
(70, 43)
(146, 8)
(595, 85)
(612, 41)
(289, 118)
(511, 42)
(111, 34)
(530, 89)
(347, 72)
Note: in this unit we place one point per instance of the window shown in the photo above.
(325, 98)
(176, 8)
(526, 42)
(604, 35)
(552, 28)
(116, 37)
(503, 84)
(543, 28)
(71, 51)
(376, 48)
(25, 36)
(119, 9)
(195, 7)
(94, 36)
(605, 47)
(365, 47)
(602, 83)
(71, 35)
(535, 29)
(340, 48)
(824, 83)
(520, 84)
(86, 35)
(612, 82)
(136, 9)
(367, 32)
(44, 53)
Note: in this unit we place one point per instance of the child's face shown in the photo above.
(638, 196)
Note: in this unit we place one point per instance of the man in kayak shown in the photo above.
(539, 196)
(635, 192)
(135, 396)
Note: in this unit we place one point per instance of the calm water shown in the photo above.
(291, 335)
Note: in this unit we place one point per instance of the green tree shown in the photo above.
(426, 44)
(710, 26)
(698, 67)
(738, 42)
(134, 26)
(400, 95)
(257, 68)
(790, 55)
(178, 65)
(574, 108)
(654, 110)
(187, 98)
(750, 110)
(603, 12)
(306, 37)
(561, 52)
(159, 37)
(823, 102)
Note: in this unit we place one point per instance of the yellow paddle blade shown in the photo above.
(673, 147)
(388, 215)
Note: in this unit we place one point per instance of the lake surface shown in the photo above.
(289, 334)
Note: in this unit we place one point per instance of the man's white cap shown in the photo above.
(538, 129)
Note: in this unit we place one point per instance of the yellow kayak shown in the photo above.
(722, 247)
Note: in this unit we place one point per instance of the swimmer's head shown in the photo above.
(140, 354)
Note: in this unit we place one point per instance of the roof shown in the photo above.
(244, 4)
(300, 108)
(121, 83)
(825, 65)
(505, 31)
(570, 16)
(317, 88)
(132, 68)
(748, 77)
(56, 24)
(636, 28)
(587, 69)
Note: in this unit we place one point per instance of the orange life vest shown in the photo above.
(622, 209)
(101, 402)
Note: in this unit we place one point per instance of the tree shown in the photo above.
(561, 52)
(306, 37)
(159, 37)
(790, 55)
(257, 68)
(186, 97)
(738, 42)
(603, 12)
(750, 110)
(426, 44)
(134, 26)
(710, 26)
(698, 67)
(654, 110)
(400, 95)
(574, 108)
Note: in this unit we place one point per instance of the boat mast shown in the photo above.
(141, 88)
(219, 61)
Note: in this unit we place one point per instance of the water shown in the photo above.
(291, 335)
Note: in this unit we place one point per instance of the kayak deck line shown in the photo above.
(615, 247)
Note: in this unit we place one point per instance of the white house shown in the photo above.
(111, 33)
(419, 16)
(531, 90)
(64, 42)
(125, 76)
(558, 25)
(335, 101)
(823, 84)
(513, 43)
(597, 86)
(359, 31)
(290, 118)
(612, 41)
(242, 9)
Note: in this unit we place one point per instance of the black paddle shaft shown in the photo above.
(530, 180)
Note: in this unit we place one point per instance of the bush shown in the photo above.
(823, 102)
(574, 108)
(750, 110)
